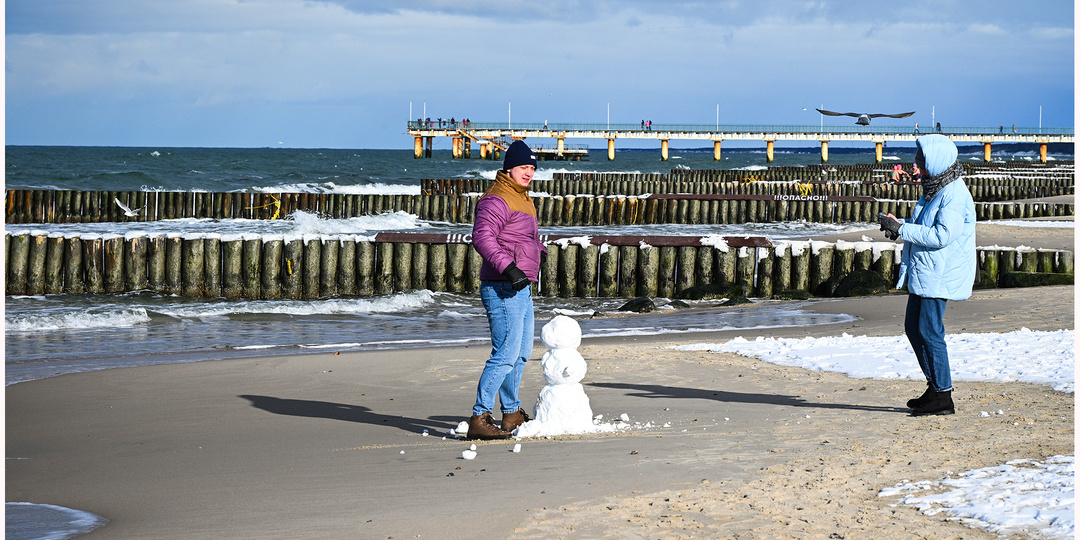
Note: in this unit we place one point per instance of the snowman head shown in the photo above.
(562, 332)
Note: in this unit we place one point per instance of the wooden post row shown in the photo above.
(312, 266)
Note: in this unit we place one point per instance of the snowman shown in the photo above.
(562, 407)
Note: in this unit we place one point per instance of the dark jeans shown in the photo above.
(926, 332)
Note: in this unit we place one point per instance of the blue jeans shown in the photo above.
(510, 316)
(926, 332)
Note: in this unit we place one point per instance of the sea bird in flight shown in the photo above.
(864, 118)
(128, 211)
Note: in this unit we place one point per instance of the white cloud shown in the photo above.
(563, 61)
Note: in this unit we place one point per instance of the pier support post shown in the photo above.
(427, 149)
(663, 149)
(418, 147)
(769, 151)
(716, 150)
(561, 145)
(878, 146)
(1042, 152)
(824, 151)
(467, 150)
(456, 148)
(986, 152)
(611, 149)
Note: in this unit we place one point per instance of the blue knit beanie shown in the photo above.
(519, 153)
(939, 153)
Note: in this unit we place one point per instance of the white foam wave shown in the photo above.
(386, 304)
(351, 189)
(309, 223)
(75, 318)
(81, 318)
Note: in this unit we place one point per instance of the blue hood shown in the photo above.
(938, 151)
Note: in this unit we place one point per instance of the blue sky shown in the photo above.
(342, 73)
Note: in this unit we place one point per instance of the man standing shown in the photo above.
(507, 237)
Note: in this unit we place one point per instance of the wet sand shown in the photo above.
(332, 445)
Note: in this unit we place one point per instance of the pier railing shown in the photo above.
(313, 266)
(416, 125)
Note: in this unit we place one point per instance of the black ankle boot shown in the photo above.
(941, 403)
(921, 400)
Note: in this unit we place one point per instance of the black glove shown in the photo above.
(890, 226)
(518, 280)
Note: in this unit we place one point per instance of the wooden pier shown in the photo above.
(488, 135)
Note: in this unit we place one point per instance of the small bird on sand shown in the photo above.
(864, 118)
(128, 211)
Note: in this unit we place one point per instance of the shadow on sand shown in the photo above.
(350, 413)
(672, 392)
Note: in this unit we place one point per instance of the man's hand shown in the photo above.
(518, 280)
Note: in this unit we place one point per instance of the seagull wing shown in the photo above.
(128, 211)
(897, 115)
(831, 113)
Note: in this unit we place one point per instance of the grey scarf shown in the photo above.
(931, 185)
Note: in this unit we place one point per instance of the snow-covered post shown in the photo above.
(764, 272)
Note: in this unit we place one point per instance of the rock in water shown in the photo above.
(639, 305)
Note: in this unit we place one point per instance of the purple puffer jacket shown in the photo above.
(506, 231)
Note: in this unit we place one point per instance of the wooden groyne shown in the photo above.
(312, 266)
(984, 187)
(44, 206)
(592, 198)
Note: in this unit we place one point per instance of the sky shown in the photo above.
(351, 73)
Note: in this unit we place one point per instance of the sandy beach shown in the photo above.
(332, 445)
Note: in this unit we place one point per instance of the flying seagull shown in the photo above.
(864, 118)
(128, 211)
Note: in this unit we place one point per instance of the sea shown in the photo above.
(52, 335)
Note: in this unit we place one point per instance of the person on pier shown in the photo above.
(507, 237)
(938, 264)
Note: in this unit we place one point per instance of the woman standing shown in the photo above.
(938, 264)
(507, 237)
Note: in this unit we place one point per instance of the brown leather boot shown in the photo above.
(483, 427)
(512, 420)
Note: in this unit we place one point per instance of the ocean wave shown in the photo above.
(64, 318)
(368, 188)
(336, 306)
(309, 223)
(77, 319)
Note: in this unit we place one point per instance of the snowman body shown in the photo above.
(562, 406)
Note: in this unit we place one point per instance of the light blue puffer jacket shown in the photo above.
(939, 245)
